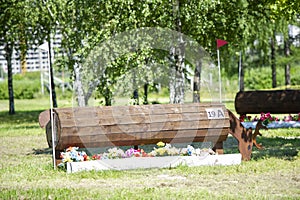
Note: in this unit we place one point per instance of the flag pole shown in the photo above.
(219, 67)
(45, 47)
(220, 43)
(51, 108)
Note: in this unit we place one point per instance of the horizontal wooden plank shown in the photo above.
(150, 127)
(113, 111)
(134, 119)
(141, 135)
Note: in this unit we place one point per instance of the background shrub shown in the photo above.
(25, 86)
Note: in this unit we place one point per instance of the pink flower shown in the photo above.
(262, 117)
(242, 118)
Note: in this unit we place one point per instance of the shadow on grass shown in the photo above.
(44, 151)
(24, 117)
(278, 147)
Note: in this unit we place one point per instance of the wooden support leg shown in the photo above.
(259, 126)
(218, 148)
(57, 154)
(243, 136)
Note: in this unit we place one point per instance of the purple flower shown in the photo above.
(129, 152)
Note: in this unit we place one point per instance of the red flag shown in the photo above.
(221, 43)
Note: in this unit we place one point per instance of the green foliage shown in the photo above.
(261, 77)
(26, 90)
(85, 24)
(25, 86)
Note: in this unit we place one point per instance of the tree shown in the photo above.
(273, 18)
(17, 25)
(78, 23)
(8, 34)
(84, 27)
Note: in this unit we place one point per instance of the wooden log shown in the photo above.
(124, 139)
(136, 125)
(273, 101)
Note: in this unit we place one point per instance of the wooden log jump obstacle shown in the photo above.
(273, 101)
(89, 127)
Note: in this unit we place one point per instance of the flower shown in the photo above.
(160, 144)
(129, 152)
(288, 118)
(96, 157)
(161, 151)
(114, 153)
(190, 150)
(72, 154)
(266, 118)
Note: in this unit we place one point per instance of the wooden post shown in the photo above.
(218, 148)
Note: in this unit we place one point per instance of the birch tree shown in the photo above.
(19, 31)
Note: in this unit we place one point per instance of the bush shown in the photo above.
(26, 90)
(3, 90)
(261, 77)
(25, 87)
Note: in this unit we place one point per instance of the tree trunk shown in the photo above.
(135, 89)
(273, 61)
(287, 65)
(177, 77)
(51, 75)
(146, 85)
(241, 73)
(8, 55)
(177, 63)
(78, 87)
(197, 82)
(108, 97)
(23, 58)
(172, 76)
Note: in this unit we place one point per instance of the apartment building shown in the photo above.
(36, 58)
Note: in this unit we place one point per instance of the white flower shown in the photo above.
(198, 152)
(168, 146)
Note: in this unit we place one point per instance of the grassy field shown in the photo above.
(26, 170)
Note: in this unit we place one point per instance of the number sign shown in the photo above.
(215, 113)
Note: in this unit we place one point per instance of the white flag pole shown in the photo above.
(45, 47)
(51, 112)
(220, 84)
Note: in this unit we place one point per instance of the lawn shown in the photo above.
(26, 169)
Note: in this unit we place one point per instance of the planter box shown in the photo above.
(154, 162)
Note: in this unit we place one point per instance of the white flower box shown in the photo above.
(154, 162)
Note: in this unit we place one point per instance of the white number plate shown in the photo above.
(215, 113)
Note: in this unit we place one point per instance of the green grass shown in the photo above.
(26, 170)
